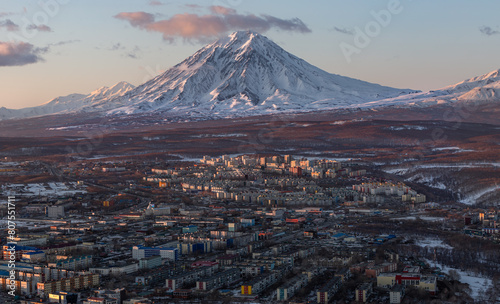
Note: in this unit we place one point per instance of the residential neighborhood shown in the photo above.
(239, 229)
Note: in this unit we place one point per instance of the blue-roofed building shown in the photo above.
(141, 252)
(19, 251)
(4, 265)
(190, 229)
(4, 273)
(34, 256)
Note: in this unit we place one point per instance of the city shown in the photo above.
(240, 228)
(237, 151)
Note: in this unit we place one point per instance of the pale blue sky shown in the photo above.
(83, 46)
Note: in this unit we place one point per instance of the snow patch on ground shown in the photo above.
(458, 166)
(219, 135)
(9, 164)
(339, 122)
(406, 127)
(39, 189)
(428, 180)
(476, 283)
(471, 199)
(432, 243)
(29, 224)
(453, 149)
(63, 128)
(414, 218)
(397, 171)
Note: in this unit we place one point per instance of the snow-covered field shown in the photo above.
(434, 178)
(428, 180)
(39, 189)
(407, 127)
(30, 225)
(408, 169)
(413, 218)
(471, 199)
(454, 149)
(8, 164)
(476, 283)
(219, 135)
(432, 243)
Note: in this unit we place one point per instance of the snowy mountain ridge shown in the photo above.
(484, 89)
(70, 103)
(246, 74)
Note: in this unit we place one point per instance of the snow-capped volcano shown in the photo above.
(70, 103)
(245, 74)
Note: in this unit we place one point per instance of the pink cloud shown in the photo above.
(189, 26)
(201, 27)
(137, 19)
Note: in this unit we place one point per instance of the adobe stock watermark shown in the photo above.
(11, 257)
(30, 26)
(362, 37)
(151, 72)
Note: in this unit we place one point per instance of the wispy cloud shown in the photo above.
(155, 3)
(488, 31)
(194, 6)
(9, 25)
(343, 30)
(116, 47)
(201, 27)
(64, 42)
(19, 53)
(222, 10)
(134, 53)
(41, 27)
(5, 14)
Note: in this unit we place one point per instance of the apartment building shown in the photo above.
(288, 290)
(69, 284)
(141, 252)
(219, 280)
(374, 271)
(151, 262)
(189, 277)
(362, 292)
(326, 293)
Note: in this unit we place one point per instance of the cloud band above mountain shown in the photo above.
(201, 27)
